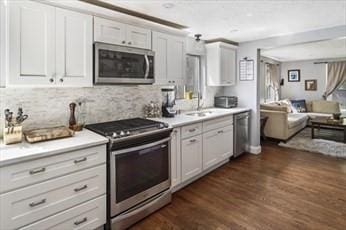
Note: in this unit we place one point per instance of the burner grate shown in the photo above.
(107, 128)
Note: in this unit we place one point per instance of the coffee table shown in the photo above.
(328, 123)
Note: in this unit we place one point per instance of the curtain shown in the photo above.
(336, 76)
(272, 82)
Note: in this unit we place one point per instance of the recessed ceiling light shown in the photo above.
(168, 5)
(249, 14)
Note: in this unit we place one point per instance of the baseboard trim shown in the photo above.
(255, 149)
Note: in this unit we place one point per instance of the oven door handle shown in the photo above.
(147, 66)
(141, 147)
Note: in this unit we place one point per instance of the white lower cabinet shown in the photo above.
(56, 200)
(175, 158)
(89, 215)
(198, 147)
(191, 157)
(217, 146)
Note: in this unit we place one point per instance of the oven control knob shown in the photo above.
(128, 133)
(122, 133)
(114, 135)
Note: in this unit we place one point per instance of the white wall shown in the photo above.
(249, 92)
(308, 71)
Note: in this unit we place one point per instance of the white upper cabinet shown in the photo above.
(169, 58)
(138, 37)
(176, 59)
(221, 64)
(32, 44)
(109, 31)
(49, 46)
(117, 33)
(160, 46)
(74, 45)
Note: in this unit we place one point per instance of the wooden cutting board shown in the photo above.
(46, 134)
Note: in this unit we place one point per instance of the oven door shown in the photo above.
(138, 173)
(118, 64)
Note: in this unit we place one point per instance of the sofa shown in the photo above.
(284, 122)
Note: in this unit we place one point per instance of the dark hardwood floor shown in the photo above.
(278, 189)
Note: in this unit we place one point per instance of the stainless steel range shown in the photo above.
(139, 168)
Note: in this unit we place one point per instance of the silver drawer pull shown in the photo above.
(221, 131)
(192, 130)
(34, 171)
(81, 188)
(193, 140)
(80, 160)
(33, 204)
(78, 222)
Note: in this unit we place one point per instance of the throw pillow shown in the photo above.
(287, 103)
(299, 106)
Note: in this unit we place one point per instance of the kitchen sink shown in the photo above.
(200, 113)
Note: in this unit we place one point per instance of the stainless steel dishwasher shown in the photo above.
(241, 133)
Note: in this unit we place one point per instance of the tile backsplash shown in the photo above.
(49, 107)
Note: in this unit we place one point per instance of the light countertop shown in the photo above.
(10, 154)
(184, 119)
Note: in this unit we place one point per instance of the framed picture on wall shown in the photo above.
(310, 85)
(294, 75)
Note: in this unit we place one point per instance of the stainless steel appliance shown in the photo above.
(241, 133)
(139, 168)
(122, 65)
(225, 102)
(168, 102)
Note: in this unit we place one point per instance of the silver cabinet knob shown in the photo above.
(129, 43)
(123, 42)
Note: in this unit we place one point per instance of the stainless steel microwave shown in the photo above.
(115, 64)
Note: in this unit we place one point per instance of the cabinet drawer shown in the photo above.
(27, 205)
(31, 172)
(89, 215)
(217, 123)
(191, 130)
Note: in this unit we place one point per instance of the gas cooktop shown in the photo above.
(127, 127)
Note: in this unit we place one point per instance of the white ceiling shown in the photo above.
(244, 20)
(309, 51)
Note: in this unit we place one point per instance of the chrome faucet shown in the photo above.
(199, 105)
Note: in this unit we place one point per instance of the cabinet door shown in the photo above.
(109, 31)
(32, 43)
(226, 142)
(191, 157)
(160, 46)
(175, 158)
(228, 66)
(73, 48)
(176, 60)
(217, 146)
(138, 37)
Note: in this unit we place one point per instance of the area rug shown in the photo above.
(303, 141)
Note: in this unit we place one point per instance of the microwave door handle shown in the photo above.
(147, 66)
